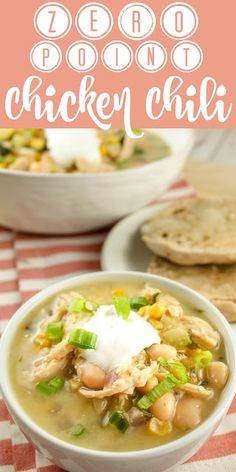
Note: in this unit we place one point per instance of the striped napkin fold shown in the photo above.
(29, 263)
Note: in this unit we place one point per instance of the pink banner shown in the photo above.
(109, 64)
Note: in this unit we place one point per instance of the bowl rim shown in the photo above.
(205, 427)
(150, 166)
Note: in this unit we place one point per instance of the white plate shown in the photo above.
(123, 248)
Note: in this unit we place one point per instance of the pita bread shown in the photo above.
(216, 282)
(194, 231)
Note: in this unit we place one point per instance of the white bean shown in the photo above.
(161, 350)
(164, 408)
(188, 413)
(93, 376)
(217, 374)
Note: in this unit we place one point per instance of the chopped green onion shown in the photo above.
(119, 420)
(55, 331)
(78, 430)
(156, 296)
(77, 305)
(83, 339)
(4, 151)
(122, 306)
(176, 368)
(147, 415)
(202, 359)
(51, 387)
(7, 159)
(137, 131)
(10, 159)
(91, 305)
(138, 302)
(168, 384)
(31, 131)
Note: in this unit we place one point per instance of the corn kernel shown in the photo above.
(37, 157)
(157, 310)
(193, 352)
(42, 341)
(112, 140)
(37, 143)
(103, 150)
(118, 292)
(6, 133)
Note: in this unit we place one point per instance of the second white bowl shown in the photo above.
(75, 203)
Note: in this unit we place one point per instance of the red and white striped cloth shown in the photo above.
(28, 263)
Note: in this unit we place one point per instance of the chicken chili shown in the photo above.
(27, 149)
(118, 368)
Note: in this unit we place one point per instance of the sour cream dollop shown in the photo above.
(118, 339)
(66, 145)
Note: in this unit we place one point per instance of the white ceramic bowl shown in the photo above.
(73, 203)
(77, 459)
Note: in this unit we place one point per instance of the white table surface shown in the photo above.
(218, 145)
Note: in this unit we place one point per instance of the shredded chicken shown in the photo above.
(53, 362)
(173, 306)
(127, 149)
(202, 332)
(61, 305)
(150, 293)
(99, 405)
(60, 308)
(131, 377)
(194, 390)
(55, 359)
(75, 384)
